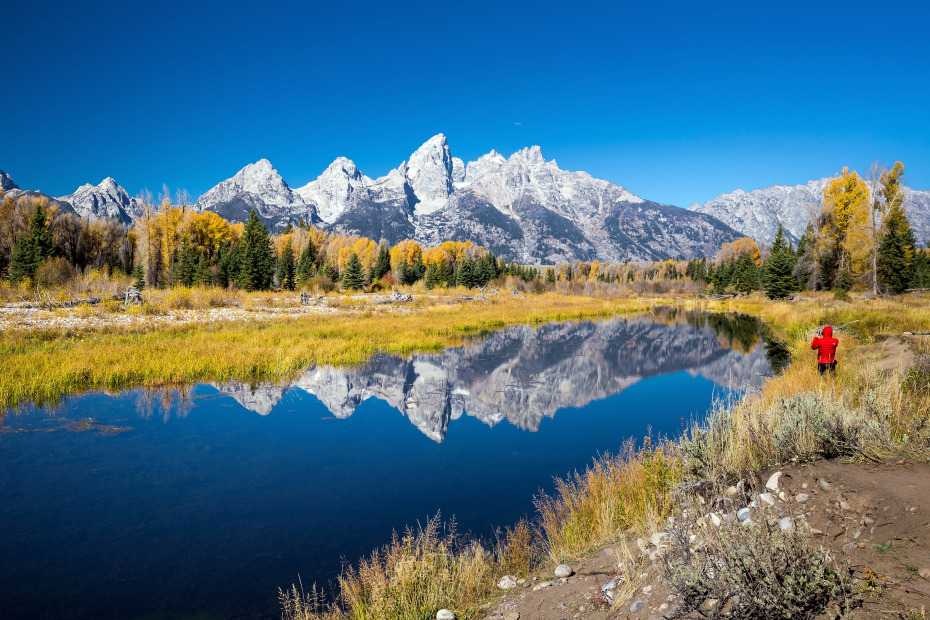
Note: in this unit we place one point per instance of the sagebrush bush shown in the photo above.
(753, 571)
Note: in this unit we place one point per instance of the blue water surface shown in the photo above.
(178, 505)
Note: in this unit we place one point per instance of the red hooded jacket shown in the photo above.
(826, 346)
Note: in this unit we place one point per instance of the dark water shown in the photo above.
(204, 503)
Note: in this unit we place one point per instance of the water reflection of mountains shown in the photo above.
(523, 374)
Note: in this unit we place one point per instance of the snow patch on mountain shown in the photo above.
(339, 185)
(429, 175)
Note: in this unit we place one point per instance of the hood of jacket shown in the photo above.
(827, 332)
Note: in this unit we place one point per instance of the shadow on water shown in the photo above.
(205, 500)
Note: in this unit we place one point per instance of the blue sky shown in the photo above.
(677, 101)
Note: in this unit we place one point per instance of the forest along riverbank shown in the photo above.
(873, 413)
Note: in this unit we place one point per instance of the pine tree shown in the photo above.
(328, 271)
(139, 275)
(467, 276)
(382, 264)
(432, 277)
(550, 275)
(256, 269)
(185, 264)
(204, 272)
(31, 248)
(896, 252)
(778, 273)
(307, 264)
(352, 277)
(286, 268)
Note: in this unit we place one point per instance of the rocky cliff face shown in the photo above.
(523, 207)
(257, 186)
(6, 182)
(757, 213)
(524, 374)
(104, 201)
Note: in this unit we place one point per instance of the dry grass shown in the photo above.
(40, 367)
(616, 494)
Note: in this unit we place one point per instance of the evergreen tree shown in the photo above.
(204, 272)
(31, 248)
(466, 275)
(306, 266)
(778, 273)
(431, 278)
(288, 229)
(896, 252)
(746, 275)
(139, 275)
(382, 264)
(302, 223)
(920, 277)
(328, 271)
(185, 264)
(550, 275)
(448, 274)
(287, 271)
(352, 277)
(256, 269)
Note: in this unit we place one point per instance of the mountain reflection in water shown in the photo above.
(524, 374)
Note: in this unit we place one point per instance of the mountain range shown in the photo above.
(523, 207)
(757, 213)
(525, 374)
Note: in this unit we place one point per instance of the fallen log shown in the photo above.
(915, 333)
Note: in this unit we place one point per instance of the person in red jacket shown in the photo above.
(826, 350)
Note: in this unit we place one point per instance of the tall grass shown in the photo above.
(43, 366)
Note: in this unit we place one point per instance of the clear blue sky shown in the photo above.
(676, 101)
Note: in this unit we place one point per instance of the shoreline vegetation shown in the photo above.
(874, 409)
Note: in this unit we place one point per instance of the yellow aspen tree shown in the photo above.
(845, 217)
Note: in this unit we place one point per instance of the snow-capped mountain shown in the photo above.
(257, 186)
(522, 207)
(104, 201)
(756, 214)
(526, 374)
(6, 182)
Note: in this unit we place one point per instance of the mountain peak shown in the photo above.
(6, 182)
(429, 174)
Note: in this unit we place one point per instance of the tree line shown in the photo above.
(860, 236)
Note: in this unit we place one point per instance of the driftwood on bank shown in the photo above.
(915, 333)
(716, 297)
(396, 298)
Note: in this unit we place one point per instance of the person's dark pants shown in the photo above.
(823, 367)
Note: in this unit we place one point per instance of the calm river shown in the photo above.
(203, 503)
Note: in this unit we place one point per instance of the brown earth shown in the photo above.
(876, 517)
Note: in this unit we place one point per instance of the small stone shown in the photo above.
(767, 499)
(847, 547)
(563, 571)
(844, 505)
(801, 498)
(641, 543)
(868, 521)
(709, 604)
(507, 582)
(913, 509)
(826, 486)
(510, 614)
(785, 523)
(816, 532)
(804, 485)
(772, 484)
(656, 555)
(637, 606)
(748, 523)
(647, 590)
(445, 614)
(857, 534)
(659, 539)
(663, 606)
(742, 514)
(714, 519)
(783, 496)
(521, 581)
(541, 585)
(560, 606)
(924, 572)
(732, 491)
